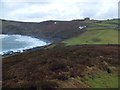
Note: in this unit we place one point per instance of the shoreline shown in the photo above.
(25, 51)
(42, 47)
(19, 37)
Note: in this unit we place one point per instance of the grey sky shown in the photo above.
(41, 10)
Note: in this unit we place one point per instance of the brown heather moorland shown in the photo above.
(59, 66)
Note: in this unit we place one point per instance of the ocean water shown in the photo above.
(19, 43)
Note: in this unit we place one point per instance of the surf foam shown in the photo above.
(29, 41)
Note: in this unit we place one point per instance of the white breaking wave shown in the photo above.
(30, 40)
(3, 36)
(31, 43)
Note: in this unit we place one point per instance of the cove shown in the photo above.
(18, 43)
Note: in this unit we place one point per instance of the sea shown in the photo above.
(18, 43)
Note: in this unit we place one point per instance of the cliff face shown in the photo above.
(48, 30)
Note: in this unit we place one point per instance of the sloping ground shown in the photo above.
(99, 32)
(95, 37)
(48, 30)
(63, 67)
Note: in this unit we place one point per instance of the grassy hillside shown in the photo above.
(95, 37)
(101, 32)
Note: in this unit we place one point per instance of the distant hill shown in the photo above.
(48, 30)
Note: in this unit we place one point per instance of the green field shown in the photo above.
(95, 37)
(98, 32)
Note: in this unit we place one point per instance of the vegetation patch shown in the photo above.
(103, 80)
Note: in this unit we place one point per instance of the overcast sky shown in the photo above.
(41, 10)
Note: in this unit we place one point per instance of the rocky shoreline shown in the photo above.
(12, 53)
